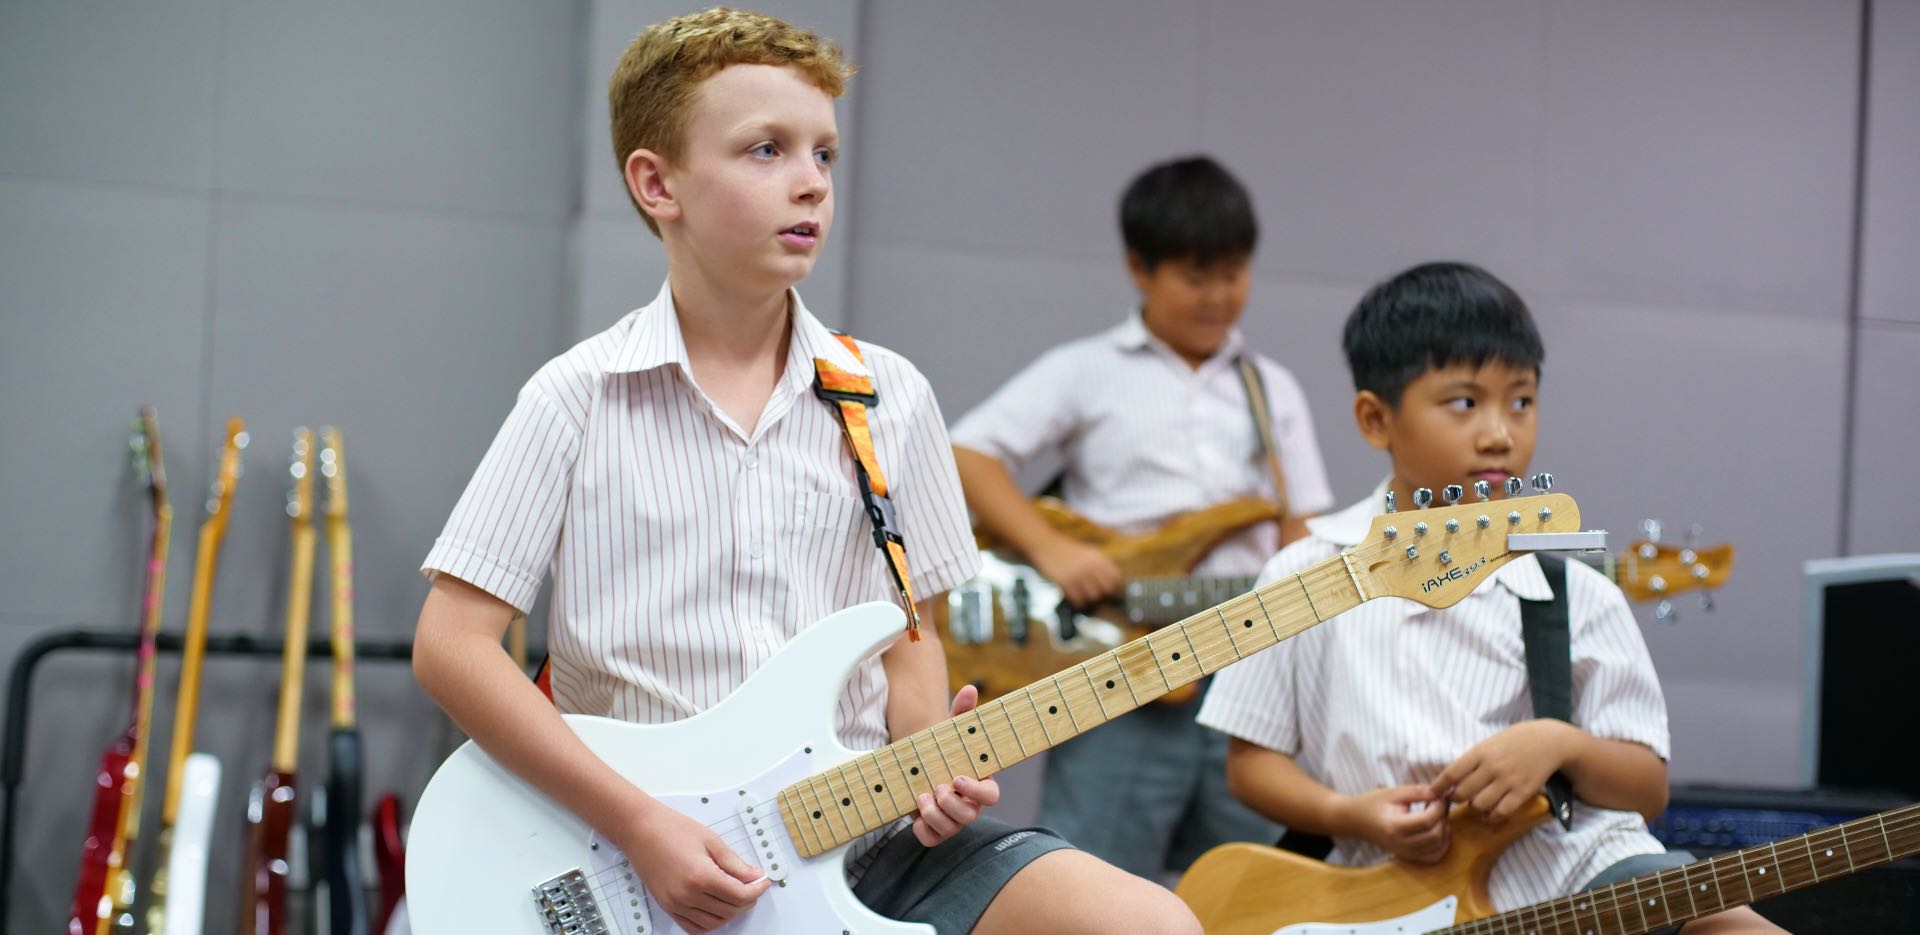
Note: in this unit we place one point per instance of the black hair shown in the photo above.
(1432, 316)
(1187, 209)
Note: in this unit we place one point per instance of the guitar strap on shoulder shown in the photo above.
(1263, 430)
(1547, 635)
(851, 395)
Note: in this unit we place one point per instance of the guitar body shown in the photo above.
(101, 858)
(1248, 889)
(347, 900)
(268, 852)
(389, 858)
(482, 840)
(179, 889)
(1016, 652)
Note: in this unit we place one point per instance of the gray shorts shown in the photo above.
(1641, 865)
(949, 886)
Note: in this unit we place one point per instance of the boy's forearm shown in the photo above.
(916, 679)
(1617, 774)
(998, 502)
(1271, 783)
(472, 678)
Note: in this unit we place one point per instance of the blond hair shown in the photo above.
(650, 97)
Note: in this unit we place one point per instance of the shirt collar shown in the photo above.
(655, 340)
(1132, 335)
(1521, 576)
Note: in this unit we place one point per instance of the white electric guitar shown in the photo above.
(489, 853)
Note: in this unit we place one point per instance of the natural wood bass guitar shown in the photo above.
(1247, 889)
(1009, 626)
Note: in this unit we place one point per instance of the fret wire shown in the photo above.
(1000, 760)
(1027, 693)
(841, 770)
(834, 810)
(1015, 728)
(802, 821)
(1231, 638)
(879, 778)
(1088, 675)
(1199, 661)
(907, 774)
(941, 749)
(1120, 663)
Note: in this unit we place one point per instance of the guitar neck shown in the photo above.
(1606, 563)
(293, 664)
(192, 656)
(340, 553)
(870, 791)
(145, 671)
(1671, 897)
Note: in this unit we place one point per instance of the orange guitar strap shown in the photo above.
(851, 395)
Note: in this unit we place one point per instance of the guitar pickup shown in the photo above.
(1588, 540)
(766, 833)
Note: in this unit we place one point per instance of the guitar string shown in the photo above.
(1569, 908)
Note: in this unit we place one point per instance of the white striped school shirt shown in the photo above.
(1392, 692)
(684, 551)
(1146, 437)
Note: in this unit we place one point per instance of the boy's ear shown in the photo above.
(1374, 418)
(646, 175)
(1137, 268)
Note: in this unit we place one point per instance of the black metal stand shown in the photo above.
(19, 696)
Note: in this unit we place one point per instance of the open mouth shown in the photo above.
(803, 230)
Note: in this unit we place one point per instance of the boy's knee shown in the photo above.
(1150, 908)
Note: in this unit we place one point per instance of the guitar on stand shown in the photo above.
(271, 806)
(104, 893)
(346, 900)
(1009, 625)
(1247, 889)
(763, 767)
(177, 897)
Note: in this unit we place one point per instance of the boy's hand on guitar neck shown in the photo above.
(1502, 773)
(690, 872)
(1084, 573)
(952, 807)
(1394, 819)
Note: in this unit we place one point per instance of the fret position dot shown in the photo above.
(1762, 871)
(847, 801)
(1829, 852)
(1053, 709)
(915, 771)
(1649, 902)
(983, 758)
(1703, 887)
(876, 787)
(1176, 657)
(972, 730)
(1109, 683)
(1248, 624)
(816, 816)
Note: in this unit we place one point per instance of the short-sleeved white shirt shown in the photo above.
(685, 552)
(1392, 692)
(1146, 436)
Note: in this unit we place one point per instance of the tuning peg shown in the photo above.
(1706, 601)
(1452, 493)
(1650, 528)
(1665, 613)
(1483, 490)
(1543, 482)
(1513, 486)
(1422, 498)
(1392, 502)
(1693, 535)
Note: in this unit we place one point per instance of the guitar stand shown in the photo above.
(20, 684)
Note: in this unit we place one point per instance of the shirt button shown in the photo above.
(754, 552)
(752, 462)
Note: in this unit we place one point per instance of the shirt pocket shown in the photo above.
(821, 511)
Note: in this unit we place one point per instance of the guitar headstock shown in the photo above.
(149, 464)
(333, 467)
(1436, 555)
(220, 498)
(1652, 570)
(300, 498)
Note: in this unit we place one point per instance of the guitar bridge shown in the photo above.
(567, 906)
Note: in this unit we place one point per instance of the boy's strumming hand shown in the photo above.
(690, 872)
(951, 807)
(1082, 571)
(1406, 820)
(1504, 772)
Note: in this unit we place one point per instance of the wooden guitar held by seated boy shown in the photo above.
(764, 768)
(1247, 889)
(1010, 626)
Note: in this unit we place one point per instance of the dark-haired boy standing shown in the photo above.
(1152, 419)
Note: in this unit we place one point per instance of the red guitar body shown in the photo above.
(265, 912)
(110, 794)
(390, 856)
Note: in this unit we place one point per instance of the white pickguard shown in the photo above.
(482, 839)
(1431, 919)
(192, 834)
